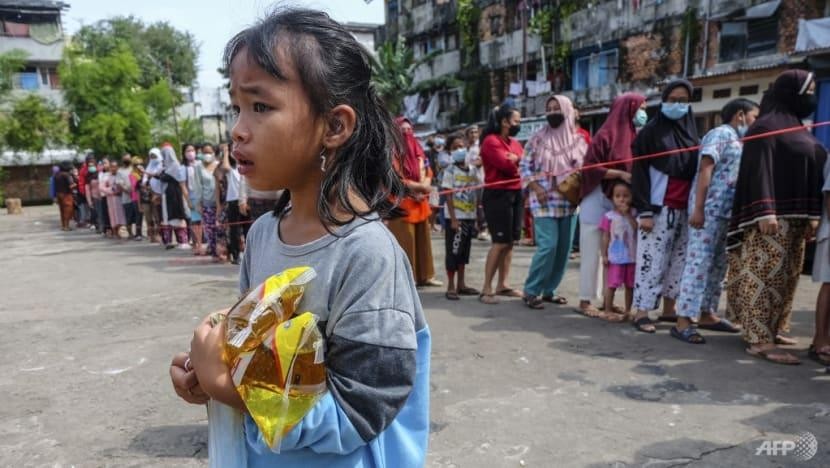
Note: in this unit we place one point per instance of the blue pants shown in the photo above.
(553, 237)
(706, 262)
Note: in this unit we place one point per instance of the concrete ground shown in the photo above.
(89, 326)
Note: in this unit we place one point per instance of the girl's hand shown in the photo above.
(625, 177)
(184, 381)
(647, 224)
(454, 224)
(605, 261)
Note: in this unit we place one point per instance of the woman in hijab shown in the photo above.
(611, 147)
(778, 202)
(174, 192)
(413, 230)
(111, 189)
(151, 182)
(550, 157)
(661, 189)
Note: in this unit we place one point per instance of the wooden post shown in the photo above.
(14, 206)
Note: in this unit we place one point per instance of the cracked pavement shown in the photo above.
(90, 326)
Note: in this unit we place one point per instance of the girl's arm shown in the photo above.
(704, 178)
(606, 241)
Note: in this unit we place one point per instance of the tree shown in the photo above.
(161, 51)
(394, 72)
(10, 62)
(110, 113)
(34, 124)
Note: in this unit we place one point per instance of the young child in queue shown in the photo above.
(619, 247)
(459, 216)
(310, 122)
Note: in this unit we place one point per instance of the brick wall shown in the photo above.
(29, 183)
(789, 14)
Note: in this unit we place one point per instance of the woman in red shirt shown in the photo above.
(502, 199)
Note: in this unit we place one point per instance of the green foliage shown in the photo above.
(10, 63)
(467, 16)
(110, 113)
(156, 48)
(33, 125)
(393, 73)
(541, 24)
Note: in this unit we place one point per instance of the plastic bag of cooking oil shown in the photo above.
(275, 354)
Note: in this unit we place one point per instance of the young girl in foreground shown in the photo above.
(310, 123)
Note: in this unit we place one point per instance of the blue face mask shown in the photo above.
(439, 142)
(93, 169)
(674, 110)
(640, 118)
(459, 156)
(742, 129)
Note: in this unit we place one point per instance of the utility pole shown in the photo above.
(173, 90)
(523, 9)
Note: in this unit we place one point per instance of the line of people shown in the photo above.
(666, 229)
(198, 203)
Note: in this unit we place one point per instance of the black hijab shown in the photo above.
(664, 134)
(780, 175)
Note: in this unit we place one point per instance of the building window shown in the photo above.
(753, 38)
(722, 93)
(748, 90)
(28, 79)
(595, 70)
(495, 25)
(44, 77)
(54, 78)
(452, 41)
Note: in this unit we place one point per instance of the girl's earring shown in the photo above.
(323, 160)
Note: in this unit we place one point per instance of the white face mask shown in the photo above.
(208, 158)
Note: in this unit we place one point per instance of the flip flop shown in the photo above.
(534, 302)
(641, 322)
(689, 335)
(768, 354)
(722, 325)
(785, 340)
(452, 296)
(822, 357)
(489, 299)
(509, 292)
(555, 300)
(467, 291)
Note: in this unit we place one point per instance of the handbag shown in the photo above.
(571, 188)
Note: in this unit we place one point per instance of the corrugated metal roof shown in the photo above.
(33, 4)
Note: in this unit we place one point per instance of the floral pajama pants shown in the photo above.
(660, 259)
(706, 263)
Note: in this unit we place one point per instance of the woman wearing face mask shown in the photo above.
(661, 189)
(611, 147)
(204, 193)
(191, 162)
(778, 202)
(550, 157)
(413, 230)
(502, 199)
(112, 190)
(710, 207)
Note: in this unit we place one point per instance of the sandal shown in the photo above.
(509, 292)
(534, 302)
(774, 355)
(641, 323)
(689, 335)
(467, 291)
(722, 325)
(820, 355)
(488, 299)
(785, 340)
(555, 300)
(451, 295)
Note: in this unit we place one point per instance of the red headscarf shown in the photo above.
(411, 165)
(612, 142)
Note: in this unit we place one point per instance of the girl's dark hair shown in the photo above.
(734, 106)
(617, 182)
(493, 125)
(334, 69)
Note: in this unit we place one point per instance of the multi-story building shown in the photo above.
(34, 26)
(726, 49)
